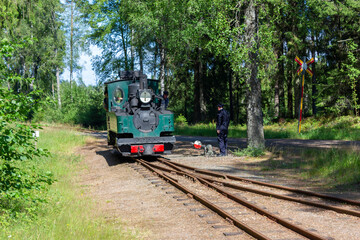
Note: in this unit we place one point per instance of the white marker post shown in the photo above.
(36, 135)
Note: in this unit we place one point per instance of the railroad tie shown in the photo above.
(228, 234)
(220, 226)
(197, 209)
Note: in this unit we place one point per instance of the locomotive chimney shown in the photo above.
(143, 82)
(132, 90)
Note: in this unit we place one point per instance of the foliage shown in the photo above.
(249, 152)
(353, 72)
(19, 178)
(74, 33)
(110, 33)
(39, 23)
(86, 109)
(67, 213)
(200, 129)
(181, 120)
(206, 52)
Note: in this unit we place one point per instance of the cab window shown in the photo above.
(118, 95)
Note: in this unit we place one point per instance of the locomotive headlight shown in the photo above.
(145, 96)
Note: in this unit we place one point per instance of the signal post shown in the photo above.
(301, 70)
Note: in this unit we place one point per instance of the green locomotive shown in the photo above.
(137, 122)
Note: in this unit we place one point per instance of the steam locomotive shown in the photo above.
(137, 123)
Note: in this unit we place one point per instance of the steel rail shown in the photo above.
(251, 206)
(264, 193)
(206, 203)
(226, 176)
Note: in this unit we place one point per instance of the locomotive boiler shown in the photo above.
(137, 123)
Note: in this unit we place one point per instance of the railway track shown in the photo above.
(226, 196)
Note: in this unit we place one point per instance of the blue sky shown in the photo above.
(88, 75)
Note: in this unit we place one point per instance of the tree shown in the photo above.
(255, 131)
(38, 24)
(76, 43)
(207, 49)
(110, 32)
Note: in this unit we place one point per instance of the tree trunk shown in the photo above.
(314, 90)
(33, 76)
(186, 104)
(53, 90)
(276, 97)
(197, 115)
(122, 31)
(255, 131)
(71, 48)
(237, 107)
(279, 100)
(199, 100)
(24, 74)
(297, 91)
(203, 109)
(141, 59)
(281, 80)
(231, 96)
(132, 51)
(162, 68)
(290, 104)
(155, 60)
(58, 86)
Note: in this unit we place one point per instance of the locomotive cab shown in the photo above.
(137, 124)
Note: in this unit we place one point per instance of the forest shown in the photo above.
(203, 52)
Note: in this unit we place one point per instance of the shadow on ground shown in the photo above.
(279, 166)
(114, 158)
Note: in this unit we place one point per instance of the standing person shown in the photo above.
(165, 100)
(222, 124)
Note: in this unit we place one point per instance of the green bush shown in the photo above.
(181, 120)
(250, 152)
(20, 179)
(85, 109)
(67, 213)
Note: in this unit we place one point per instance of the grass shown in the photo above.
(251, 152)
(67, 213)
(341, 128)
(330, 167)
(338, 167)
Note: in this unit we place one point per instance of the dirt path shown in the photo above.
(144, 204)
(125, 195)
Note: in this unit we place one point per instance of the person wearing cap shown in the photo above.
(165, 100)
(222, 124)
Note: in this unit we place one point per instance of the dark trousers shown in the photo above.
(222, 140)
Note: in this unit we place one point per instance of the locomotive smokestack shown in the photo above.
(143, 81)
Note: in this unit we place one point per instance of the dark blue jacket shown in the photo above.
(223, 120)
